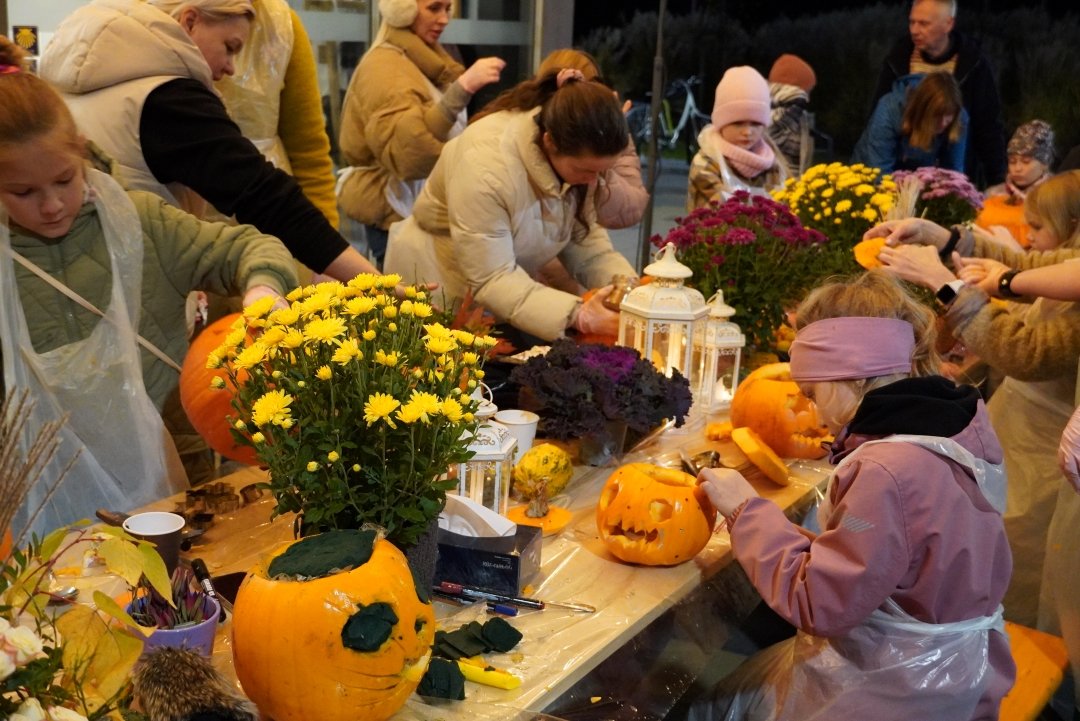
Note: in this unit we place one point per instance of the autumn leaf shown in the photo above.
(52, 543)
(118, 532)
(156, 573)
(112, 608)
(123, 559)
(81, 629)
(115, 657)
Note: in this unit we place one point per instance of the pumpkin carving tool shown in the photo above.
(475, 593)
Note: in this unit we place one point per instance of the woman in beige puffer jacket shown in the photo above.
(510, 195)
(406, 99)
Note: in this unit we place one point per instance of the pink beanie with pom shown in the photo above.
(741, 96)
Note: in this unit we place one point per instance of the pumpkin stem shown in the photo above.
(538, 506)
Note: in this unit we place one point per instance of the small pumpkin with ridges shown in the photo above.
(543, 472)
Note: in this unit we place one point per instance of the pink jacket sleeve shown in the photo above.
(621, 200)
(828, 585)
(1069, 451)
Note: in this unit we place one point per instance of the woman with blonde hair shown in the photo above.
(921, 123)
(139, 80)
(406, 99)
(1036, 345)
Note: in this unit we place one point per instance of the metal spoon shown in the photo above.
(60, 595)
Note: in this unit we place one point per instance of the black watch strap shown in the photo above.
(954, 238)
(1005, 285)
(946, 294)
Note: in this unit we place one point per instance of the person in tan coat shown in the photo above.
(510, 195)
(406, 99)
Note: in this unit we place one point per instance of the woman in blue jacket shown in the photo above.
(921, 123)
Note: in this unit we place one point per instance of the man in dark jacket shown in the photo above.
(935, 46)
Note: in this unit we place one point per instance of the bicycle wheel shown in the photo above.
(638, 121)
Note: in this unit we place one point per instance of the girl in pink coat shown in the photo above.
(898, 601)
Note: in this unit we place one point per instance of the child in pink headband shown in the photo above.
(897, 601)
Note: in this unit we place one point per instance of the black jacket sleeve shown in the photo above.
(188, 137)
(986, 139)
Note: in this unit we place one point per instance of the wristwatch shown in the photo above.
(1005, 285)
(947, 293)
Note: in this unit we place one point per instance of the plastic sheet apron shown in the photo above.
(401, 195)
(128, 459)
(891, 667)
(730, 179)
(253, 94)
(1029, 418)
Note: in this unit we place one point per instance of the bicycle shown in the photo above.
(691, 120)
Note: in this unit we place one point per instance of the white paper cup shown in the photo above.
(522, 426)
(163, 530)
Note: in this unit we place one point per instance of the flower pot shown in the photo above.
(198, 638)
(597, 449)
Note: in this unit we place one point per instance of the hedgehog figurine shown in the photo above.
(173, 684)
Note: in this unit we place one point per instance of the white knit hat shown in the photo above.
(399, 13)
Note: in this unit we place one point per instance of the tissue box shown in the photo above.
(499, 565)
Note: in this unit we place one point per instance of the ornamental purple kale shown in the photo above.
(581, 387)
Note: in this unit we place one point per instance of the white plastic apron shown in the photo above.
(891, 667)
(128, 459)
(402, 194)
(733, 182)
(253, 94)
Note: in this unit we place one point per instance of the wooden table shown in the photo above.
(560, 648)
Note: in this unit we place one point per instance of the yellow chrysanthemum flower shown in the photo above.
(273, 407)
(294, 295)
(435, 330)
(463, 337)
(213, 360)
(317, 303)
(285, 316)
(356, 468)
(410, 292)
(452, 410)
(390, 280)
(491, 341)
(369, 335)
(468, 417)
(258, 438)
(364, 281)
(324, 330)
(817, 216)
(409, 413)
(870, 214)
(251, 356)
(379, 406)
(239, 324)
(828, 193)
(332, 456)
(392, 327)
(347, 352)
(469, 358)
(235, 338)
(838, 221)
(240, 426)
(294, 339)
(324, 373)
(260, 307)
(843, 206)
(217, 383)
(479, 374)
(389, 360)
(274, 336)
(406, 307)
(359, 306)
(864, 189)
(421, 310)
(312, 467)
(389, 311)
(439, 346)
(827, 212)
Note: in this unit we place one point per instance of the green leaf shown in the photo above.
(153, 567)
(118, 532)
(112, 608)
(51, 543)
(123, 559)
(81, 628)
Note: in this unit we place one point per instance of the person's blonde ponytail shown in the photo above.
(213, 9)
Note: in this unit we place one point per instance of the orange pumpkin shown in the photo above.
(5, 546)
(761, 455)
(770, 403)
(866, 253)
(997, 210)
(208, 408)
(654, 516)
(349, 646)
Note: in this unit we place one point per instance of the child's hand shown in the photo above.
(726, 489)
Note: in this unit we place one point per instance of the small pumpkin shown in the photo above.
(770, 403)
(207, 408)
(344, 646)
(542, 472)
(654, 516)
(866, 253)
(761, 455)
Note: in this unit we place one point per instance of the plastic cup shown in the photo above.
(164, 530)
(522, 426)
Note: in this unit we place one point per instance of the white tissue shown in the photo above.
(466, 517)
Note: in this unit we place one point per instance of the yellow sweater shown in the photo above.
(302, 127)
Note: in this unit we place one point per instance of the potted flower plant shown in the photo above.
(356, 402)
(186, 618)
(757, 252)
(946, 197)
(596, 392)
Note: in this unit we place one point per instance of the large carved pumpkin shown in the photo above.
(654, 516)
(348, 646)
(770, 403)
(205, 407)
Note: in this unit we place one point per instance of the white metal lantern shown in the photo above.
(661, 319)
(719, 348)
(486, 477)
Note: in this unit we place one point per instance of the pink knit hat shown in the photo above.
(741, 96)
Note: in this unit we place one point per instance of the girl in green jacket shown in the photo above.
(93, 286)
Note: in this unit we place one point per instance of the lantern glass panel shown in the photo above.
(669, 347)
(727, 368)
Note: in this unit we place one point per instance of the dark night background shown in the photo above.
(592, 14)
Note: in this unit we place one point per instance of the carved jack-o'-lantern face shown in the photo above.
(346, 646)
(770, 403)
(654, 516)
